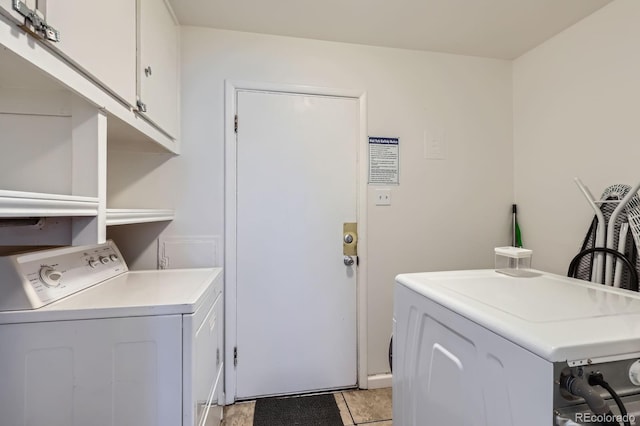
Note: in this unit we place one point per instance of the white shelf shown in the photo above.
(34, 204)
(129, 216)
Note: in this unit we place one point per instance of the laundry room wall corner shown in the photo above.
(575, 115)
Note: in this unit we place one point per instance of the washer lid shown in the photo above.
(137, 293)
(556, 317)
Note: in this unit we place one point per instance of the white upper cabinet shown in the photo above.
(158, 38)
(128, 48)
(100, 37)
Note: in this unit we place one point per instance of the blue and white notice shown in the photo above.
(383, 161)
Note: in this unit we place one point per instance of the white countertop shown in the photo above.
(134, 293)
(557, 318)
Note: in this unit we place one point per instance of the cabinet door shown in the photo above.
(158, 64)
(100, 37)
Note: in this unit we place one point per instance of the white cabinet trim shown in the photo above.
(34, 204)
(129, 216)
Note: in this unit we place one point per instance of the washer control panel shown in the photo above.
(49, 275)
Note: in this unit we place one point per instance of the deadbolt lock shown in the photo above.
(350, 239)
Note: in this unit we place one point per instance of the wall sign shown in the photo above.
(383, 161)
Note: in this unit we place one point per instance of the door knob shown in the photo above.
(348, 260)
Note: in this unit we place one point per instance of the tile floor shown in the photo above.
(357, 407)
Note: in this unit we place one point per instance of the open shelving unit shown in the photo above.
(57, 126)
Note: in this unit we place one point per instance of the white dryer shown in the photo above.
(482, 348)
(84, 341)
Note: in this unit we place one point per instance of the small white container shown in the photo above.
(512, 260)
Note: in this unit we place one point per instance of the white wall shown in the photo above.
(446, 214)
(576, 101)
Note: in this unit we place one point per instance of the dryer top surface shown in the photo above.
(548, 314)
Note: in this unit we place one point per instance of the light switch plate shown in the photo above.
(435, 145)
(383, 197)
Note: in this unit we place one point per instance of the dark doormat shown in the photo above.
(316, 410)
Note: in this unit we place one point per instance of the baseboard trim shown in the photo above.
(379, 381)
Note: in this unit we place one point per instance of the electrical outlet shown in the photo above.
(383, 197)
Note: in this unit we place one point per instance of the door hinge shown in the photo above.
(142, 107)
(235, 356)
(235, 124)
(40, 26)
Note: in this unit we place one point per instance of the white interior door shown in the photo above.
(296, 298)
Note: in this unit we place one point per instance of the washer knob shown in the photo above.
(113, 257)
(634, 373)
(50, 277)
(104, 259)
(93, 263)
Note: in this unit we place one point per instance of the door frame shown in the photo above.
(232, 87)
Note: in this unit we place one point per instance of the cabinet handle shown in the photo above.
(147, 71)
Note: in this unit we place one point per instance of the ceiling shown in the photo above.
(491, 28)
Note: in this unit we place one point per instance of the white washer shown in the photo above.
(84, 341)
(483, 348)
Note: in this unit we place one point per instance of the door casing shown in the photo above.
(230, 261)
